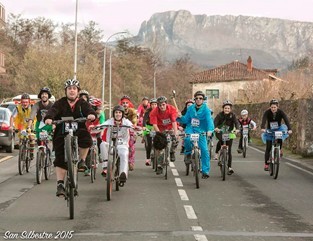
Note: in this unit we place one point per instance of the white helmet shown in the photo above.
(244, 112)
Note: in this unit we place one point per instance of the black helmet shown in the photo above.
(145, 98)
(25, 96)
(125, 97)
(199, 92)
(189, 101)
(71, 82)
(45, 90)
(153, 100)
(120, 108)
(273, 102)
(227, 102)
(162, 99)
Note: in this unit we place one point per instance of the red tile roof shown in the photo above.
(231, 72)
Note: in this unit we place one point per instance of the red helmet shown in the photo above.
(96, 102)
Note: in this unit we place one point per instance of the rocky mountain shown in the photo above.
(217, 40)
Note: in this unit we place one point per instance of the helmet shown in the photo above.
(95, 102)
(83, 92)
(120, 108)
(273, 102)
(244, 112)
(153, 100)
(227, 102)
(199, 92)
(45, 90)
(189, 101)
(161, 99)
(125, 97)
(71, 82)
(25, 96)
(145, 98)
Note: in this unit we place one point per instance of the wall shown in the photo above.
(300, 116)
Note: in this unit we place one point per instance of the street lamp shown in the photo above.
(103, 75)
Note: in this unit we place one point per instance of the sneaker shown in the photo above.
(172, 156)
(266, 167)
(205, 176)
(60, 190)
(104, 172)
(82, 166)
(148, 162)
(230, 171)
(131, 166)
(87, 172)
(239, 150)
(159, 170)
(123, 177)
(216, 157)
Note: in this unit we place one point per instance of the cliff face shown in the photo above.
(215, 40)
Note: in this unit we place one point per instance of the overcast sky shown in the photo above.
(120, 15)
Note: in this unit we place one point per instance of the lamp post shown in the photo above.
(75, 47)
(103, 74)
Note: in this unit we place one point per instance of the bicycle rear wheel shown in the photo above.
(109, 180)
(244, 147)
(22, 159)
(196, 162)
(39, 165)
(223, 161)
(276, 163)
(48, 165)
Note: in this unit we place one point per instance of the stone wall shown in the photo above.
(300, 114)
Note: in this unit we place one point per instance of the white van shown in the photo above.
(33, 99)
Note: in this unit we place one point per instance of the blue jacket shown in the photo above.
(197, 121)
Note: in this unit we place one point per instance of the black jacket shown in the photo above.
(269, 117)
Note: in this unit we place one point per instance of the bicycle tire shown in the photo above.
(187, 165)
(48, 165)
(92, 165)
(69, 159)
(27, 160)
(117, 174)
(21, 159)
(196, 162)
(223, 164)
(39, 165)
(276, 163)
(244, 147)
(270, 164)
(69, 190)
(109, 180)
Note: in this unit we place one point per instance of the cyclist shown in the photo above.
(198, 120)
(84, 94)
(39, 110)
(226, 118)
(130, 114)
(164, 118)
(148, 127)
(142, 109)
(273, 118)
(69, 106)
(123, 140)
(21, 115)
(245, 121)
(188, 103)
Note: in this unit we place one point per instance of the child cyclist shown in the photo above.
(245, 121)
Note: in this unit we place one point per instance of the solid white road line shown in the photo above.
(183, 195)
(178, 182)
(190, 212)
(5, 158)
(175, 172)
(299, 168)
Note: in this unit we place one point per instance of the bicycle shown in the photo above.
(113, 168)
(195, 156)
(43, 158)
(275, 157)
(245, 139)
(24, 153)
(210, 144)
(93, 158)
(71, 157)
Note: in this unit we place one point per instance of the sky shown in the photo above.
(127, 15)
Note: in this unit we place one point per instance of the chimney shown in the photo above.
(249, 64)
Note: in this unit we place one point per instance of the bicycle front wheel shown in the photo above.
(93, 164)
(48, 165)
(244, 147)
(69, 190)
(39, 165)
(165, 161)
(223, 163)
(69, 159)
(276, 162)
(22, 159)
(196, 162)
(109, 180)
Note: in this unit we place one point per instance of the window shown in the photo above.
(213, 94)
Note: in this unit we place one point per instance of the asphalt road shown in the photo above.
(249, 205)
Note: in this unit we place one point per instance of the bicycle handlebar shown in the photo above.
(69, 120)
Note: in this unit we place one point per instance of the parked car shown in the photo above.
(10, 105)
(7, 134)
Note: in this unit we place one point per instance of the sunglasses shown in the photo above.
(198, 98)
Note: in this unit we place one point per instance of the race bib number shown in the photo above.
(166, 121)
(274, 125)
(194, 137)
(245, 131)
(225, 137)
(120, 141)
(278, 134)
(73, 126)
(195, 122)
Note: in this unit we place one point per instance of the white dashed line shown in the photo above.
(178, 182)
(190, 212)
(5, 158)
(172, 164)
(196, 228)
(200, 237)
(175, 172)
(183, 195)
